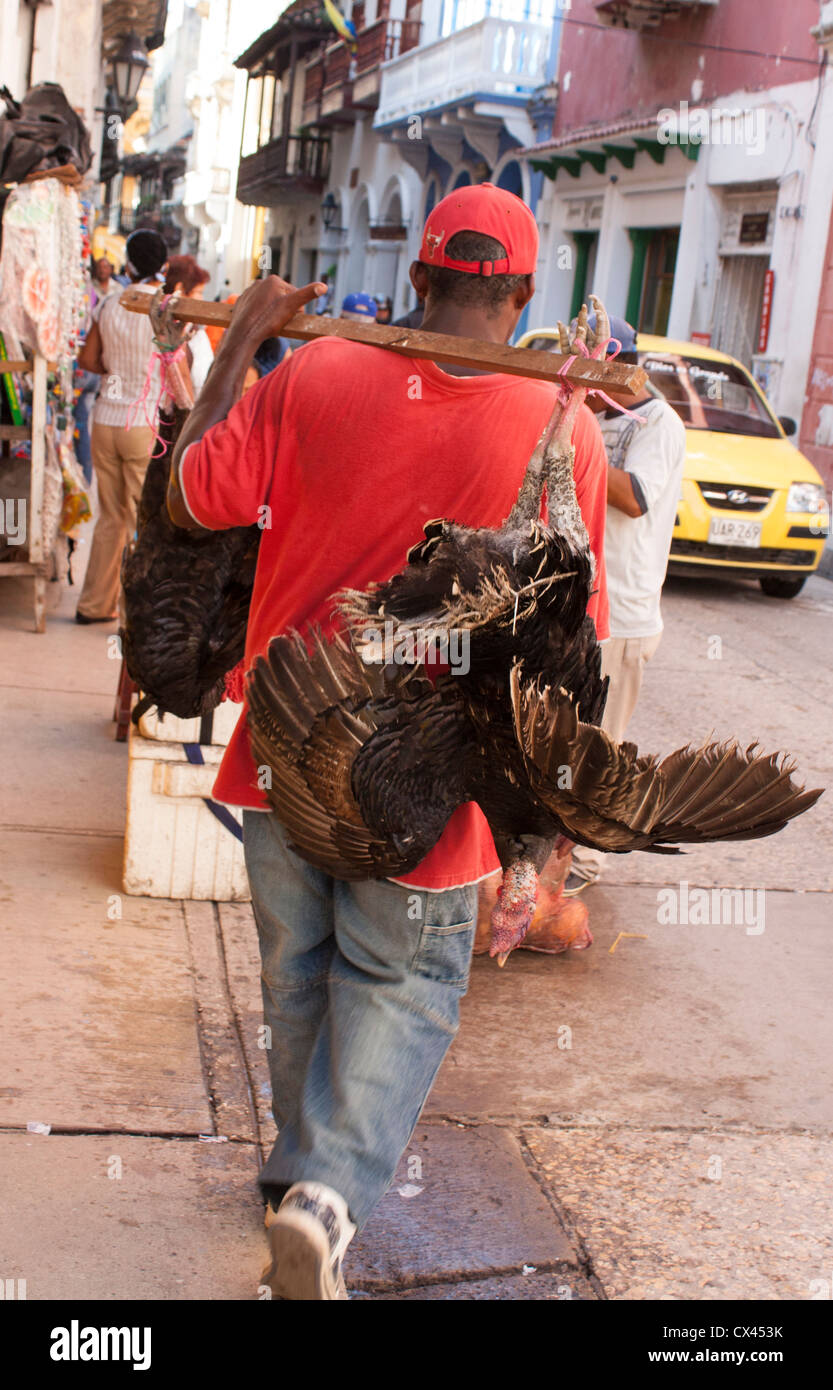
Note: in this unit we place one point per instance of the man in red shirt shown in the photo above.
(342, 455)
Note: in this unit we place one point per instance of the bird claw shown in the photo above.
(595, 340)
(599, 337)
(169, 331)
(580, 334)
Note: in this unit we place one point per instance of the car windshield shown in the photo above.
(709, 395)
(544, 344)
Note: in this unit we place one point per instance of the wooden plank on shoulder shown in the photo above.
(623, 378)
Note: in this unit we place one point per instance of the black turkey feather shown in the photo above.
(186, 598)
(186, 593)
(364, 780)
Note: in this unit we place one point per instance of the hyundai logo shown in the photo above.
(737, 496)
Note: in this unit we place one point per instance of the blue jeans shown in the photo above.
(83, 407)
(361, 991)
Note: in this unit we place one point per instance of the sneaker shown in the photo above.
(575, 884)
(308, 1236)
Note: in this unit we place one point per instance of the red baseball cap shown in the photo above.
(491, 211)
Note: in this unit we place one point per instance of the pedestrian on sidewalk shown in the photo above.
(646, 453)
(184, 277)
(119, 347)
(350, 450)
(102, 281)
(359, 307)
(414, 317)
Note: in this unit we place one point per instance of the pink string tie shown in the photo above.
(595, 390)
(167, 359)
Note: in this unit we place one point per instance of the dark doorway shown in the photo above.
(659, 281)
(652, 277)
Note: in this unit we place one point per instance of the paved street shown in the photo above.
(650, 1118)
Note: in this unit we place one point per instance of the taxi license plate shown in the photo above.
(726, 530)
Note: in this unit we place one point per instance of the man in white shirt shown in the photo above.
(119, 346)
(645, 468)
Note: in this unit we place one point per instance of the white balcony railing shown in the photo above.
(495, 57)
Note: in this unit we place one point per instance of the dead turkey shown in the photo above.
(369, 757)
(186, 593)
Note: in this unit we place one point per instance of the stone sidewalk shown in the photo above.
(649, 1118)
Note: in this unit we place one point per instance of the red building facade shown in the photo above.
(698, 55)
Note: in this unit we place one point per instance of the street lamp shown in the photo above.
(130, 64)
(329, 212)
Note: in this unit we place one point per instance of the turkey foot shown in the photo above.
(515, 907)
(559, 924)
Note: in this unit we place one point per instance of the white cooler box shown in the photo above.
(175, 847)
(173, 730)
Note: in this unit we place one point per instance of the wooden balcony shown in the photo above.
(339, 88)
(313, 82)
(385, 39)
(295, 164)
(337, 64)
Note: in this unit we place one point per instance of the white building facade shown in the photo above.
(437, 94)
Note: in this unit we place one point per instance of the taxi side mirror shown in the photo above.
(787, 424)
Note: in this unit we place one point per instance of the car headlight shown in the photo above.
(806, 497)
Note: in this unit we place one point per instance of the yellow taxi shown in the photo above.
(750, 503)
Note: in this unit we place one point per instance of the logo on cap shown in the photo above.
(434, 240)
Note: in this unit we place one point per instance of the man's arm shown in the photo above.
(89, 358)
(262, 311)
(621, 494)
(653, 462)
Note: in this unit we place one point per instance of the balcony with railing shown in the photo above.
(340, 87)
(294, 164)
(495, 59)
(337, 92)
(381, 43)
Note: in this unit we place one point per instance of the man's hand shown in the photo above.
(262, 311)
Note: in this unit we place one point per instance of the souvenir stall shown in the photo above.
(43, 251)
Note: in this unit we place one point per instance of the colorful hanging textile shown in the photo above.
(41, 273)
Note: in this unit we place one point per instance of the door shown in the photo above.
(587, 245)
(658, 285)
(737, 314)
